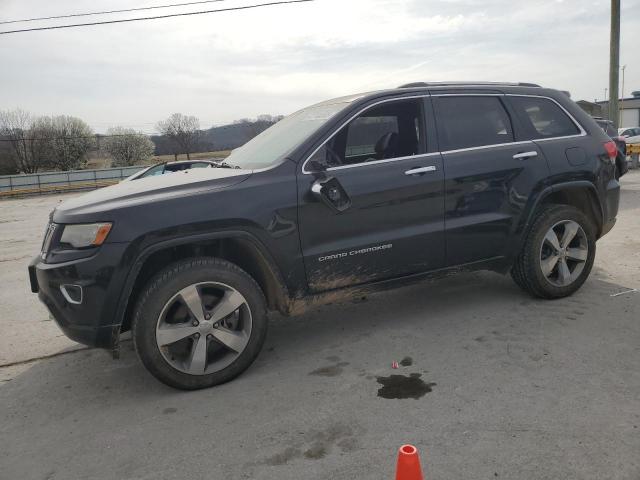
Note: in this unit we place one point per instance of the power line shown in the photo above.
(247, 7)
(23, 20)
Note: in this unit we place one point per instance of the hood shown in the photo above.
(145, 190)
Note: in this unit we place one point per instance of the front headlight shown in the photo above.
(85, 235)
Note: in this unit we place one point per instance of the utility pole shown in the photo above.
(614, 63)
(622, 97)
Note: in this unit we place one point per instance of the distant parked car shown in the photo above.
(622, 165)
(171, 167)
(630, 134)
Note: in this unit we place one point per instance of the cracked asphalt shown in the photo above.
(517, 387)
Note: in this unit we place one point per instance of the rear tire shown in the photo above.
(558, 254)
(199, 322)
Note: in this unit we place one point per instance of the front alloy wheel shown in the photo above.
(203, 328)
(199, 322)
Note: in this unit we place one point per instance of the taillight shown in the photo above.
(612, 150)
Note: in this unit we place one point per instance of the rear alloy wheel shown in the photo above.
(558, 253)
(564, 253)
(200, 322)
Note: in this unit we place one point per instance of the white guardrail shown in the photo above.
(51, 182)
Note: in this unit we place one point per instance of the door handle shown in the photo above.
(420, 170)
(525, 155)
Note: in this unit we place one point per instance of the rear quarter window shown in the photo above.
(543, 118)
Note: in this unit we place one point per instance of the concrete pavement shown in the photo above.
(520, 388)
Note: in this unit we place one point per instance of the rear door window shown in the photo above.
(543, 118)
(469, 121)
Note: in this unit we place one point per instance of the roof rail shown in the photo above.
(444, 84)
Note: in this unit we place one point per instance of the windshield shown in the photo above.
(277, 141)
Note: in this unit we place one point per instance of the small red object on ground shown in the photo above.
(408, 464)
(394, 365)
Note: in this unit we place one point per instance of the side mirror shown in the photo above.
(316, 167)
(330, 192)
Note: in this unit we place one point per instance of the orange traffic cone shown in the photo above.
(408, 464)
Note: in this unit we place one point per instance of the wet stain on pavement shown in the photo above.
(315, 452)
(317, 444)
(169, 410)
(330, 370)
(401, 386)
(406, 362)
(283, 457)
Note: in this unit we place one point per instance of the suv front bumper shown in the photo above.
(89, 318)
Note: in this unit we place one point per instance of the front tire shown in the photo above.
(200, 322)
(558, 254)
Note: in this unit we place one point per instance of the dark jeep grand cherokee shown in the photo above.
(351, 194)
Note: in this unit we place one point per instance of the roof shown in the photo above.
(467, 84)
(419, 88)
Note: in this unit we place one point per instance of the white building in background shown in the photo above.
(629, 110)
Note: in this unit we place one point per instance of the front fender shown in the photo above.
(136, 258)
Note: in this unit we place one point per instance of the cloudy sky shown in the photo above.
(276, 59)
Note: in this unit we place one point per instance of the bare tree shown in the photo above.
(255, 127)
(70, 139)
(183, 130)
(27, 151)
(127, 146)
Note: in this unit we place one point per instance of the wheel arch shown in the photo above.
(238, 247)
(580, 194)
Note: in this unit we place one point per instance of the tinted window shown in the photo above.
(465, 122)
(543, 118)
(176, 167)
(391, 130)
(607, 127)
(364, 132)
